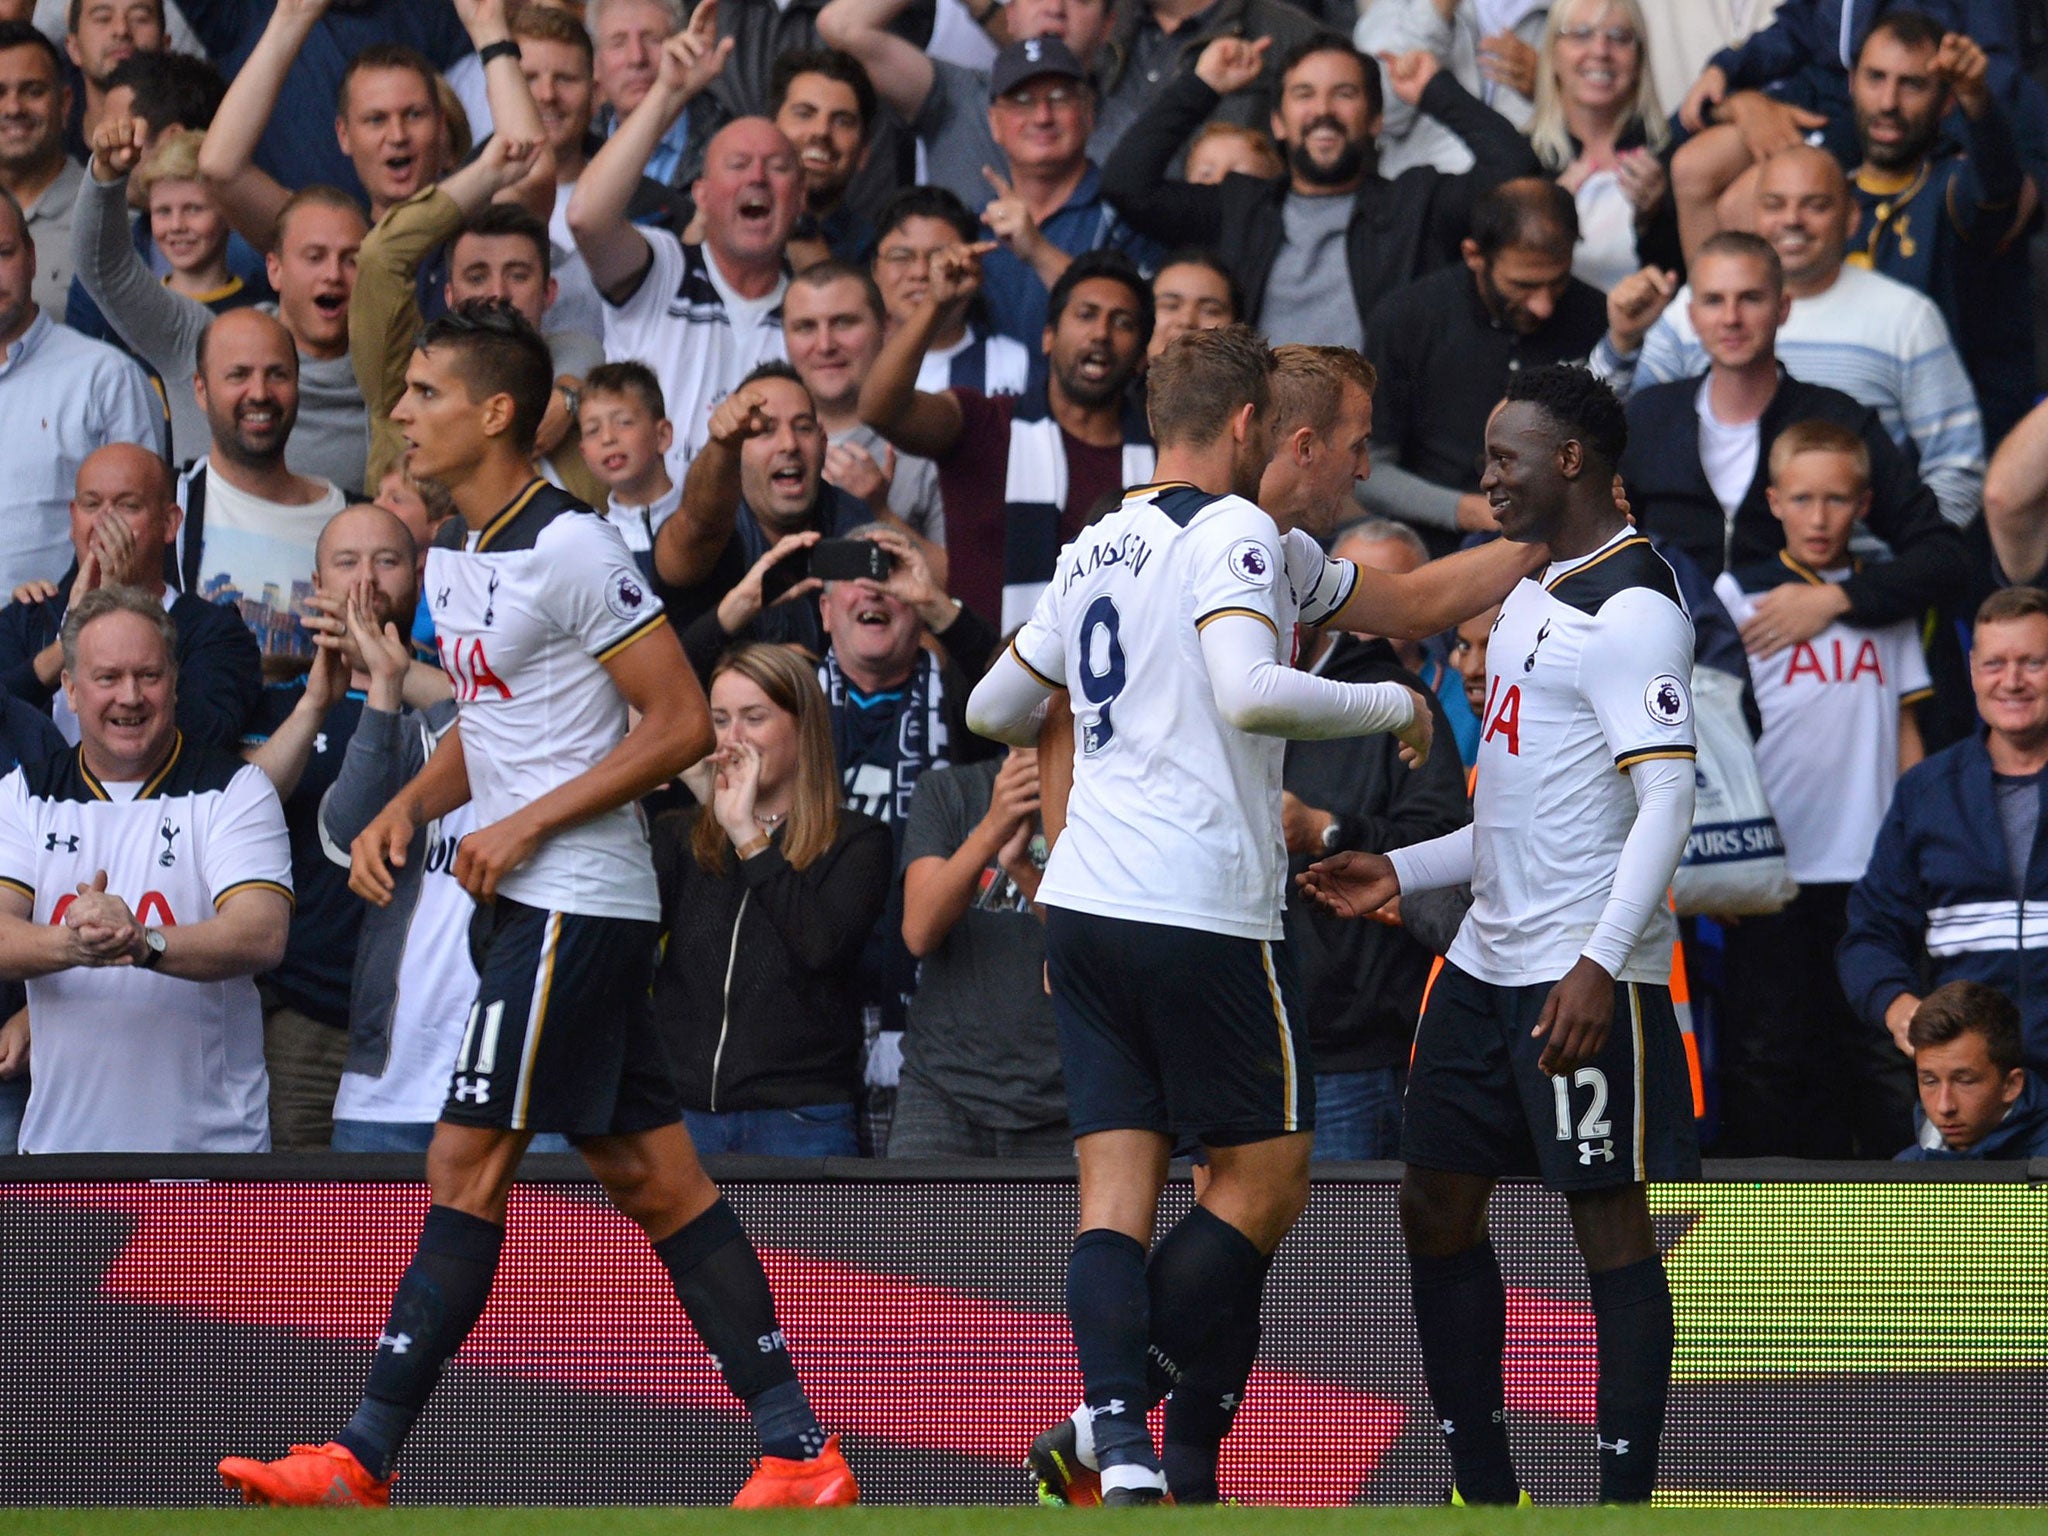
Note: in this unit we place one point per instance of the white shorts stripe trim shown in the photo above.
(536, 1016)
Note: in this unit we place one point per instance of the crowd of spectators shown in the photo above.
(873, 284)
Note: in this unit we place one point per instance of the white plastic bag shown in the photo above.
(1734, 862)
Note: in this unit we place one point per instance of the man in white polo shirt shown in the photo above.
(138, 851)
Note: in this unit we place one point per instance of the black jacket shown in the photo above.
(1361, 983)
(220, 671)
(754, 994)
(1670, 496)
(1400, 229)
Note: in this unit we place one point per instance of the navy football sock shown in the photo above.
(1461, 1319)
(719, 1280)
(440, 1296)
(1205, 1403)
(1632, 1324)
(1200, 1274)
(1106, 1304)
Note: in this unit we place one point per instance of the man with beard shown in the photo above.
(755, 495)
(252, 523)
(1940, 217)
(364, 557)
(825, 106)
(100, 36)
(1284, 238)
(34, 169)
(1020, 474)
(1445, 346)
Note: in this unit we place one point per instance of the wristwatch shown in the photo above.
(1330, 838)
(152, 949)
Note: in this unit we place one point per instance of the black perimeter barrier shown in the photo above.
(1847, 1333)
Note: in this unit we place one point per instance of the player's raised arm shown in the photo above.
(1437, 596)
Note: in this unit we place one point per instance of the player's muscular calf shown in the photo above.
(1443, 1214)
(470, 1167)
(1612, 1227)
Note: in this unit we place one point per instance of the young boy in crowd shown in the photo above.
(1975, 1091)
(626, 432)
(1801, 1076)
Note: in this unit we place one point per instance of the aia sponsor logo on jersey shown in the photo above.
(469, 669)
(153, 911)
(1831, 664)
(1503, 716)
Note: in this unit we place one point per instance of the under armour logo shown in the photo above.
(1447, 1426)
(1619, 1447)
(51, 840)
(1543, 634)
(472, 1090)
(1588, 1150)
(1114, 1406)
(398, 1343)
(169, 834)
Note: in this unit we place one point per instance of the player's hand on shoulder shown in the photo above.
(1575, 1019)
(1350, 884)
(1418, 733)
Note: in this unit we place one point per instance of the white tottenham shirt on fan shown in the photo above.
(526, 613)
(1829, 754)
(1174, 815)
(129, 1060)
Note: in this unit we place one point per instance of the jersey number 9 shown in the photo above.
(1102, 671)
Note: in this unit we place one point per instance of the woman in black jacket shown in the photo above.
(768, 893)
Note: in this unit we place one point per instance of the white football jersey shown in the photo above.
(1175, 815)
(1587, 673)
(137, 1061)
(1829, 754)
(525, 615)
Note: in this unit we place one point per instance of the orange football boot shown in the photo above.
(311, 1474)
(822, 1481)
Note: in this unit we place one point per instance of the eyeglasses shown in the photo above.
(902, 256)
(1617, 37)
(1057, 97)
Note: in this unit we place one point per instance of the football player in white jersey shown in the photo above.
(1173, 622)
(549, 634)
(1549, 1044)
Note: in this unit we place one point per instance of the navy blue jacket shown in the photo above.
(220, 671)
(1937, 886)
(2022, 1134)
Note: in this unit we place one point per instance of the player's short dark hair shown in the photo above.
(389, 56)
(318, 195)
(1336, 42)
(1309, 383)
(1915, 29)
(22, 34)
(1740, 242)
(822, 273)
(627, 378)
(833, 64)
(1202, 256)
(496, 352)
(548, 24)
(171, 90)
(1583, 407)
(75, 12)
(1532, 212)
(1102, 262)
(1203, 379)
(928, 203)
(496, 220)
(2010, 603)
(1820, 437)
(1960, 1008)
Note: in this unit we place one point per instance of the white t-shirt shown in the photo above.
(1606, 252)
(1588, 673)
(137, 1061)
(638, 524)
(257, 556)
(1174, 815)
(1728, 455)
(684, 322)
(525, 614)
(1829, 754)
